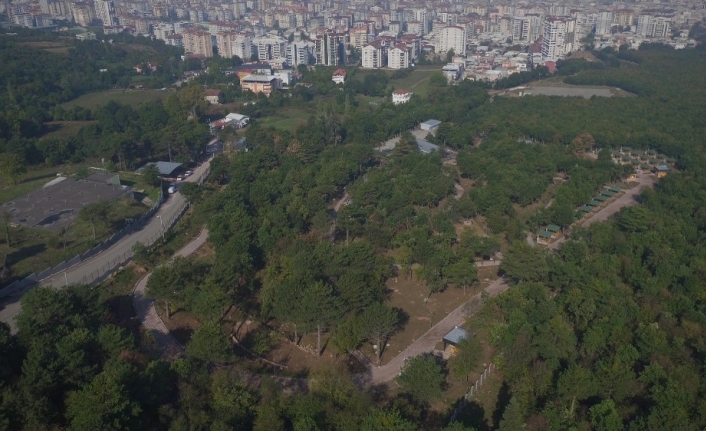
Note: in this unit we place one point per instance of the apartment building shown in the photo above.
(452, 37)
(654, 25)
(558, 39)
(372, 56)
(398, 57)
(197, 42)
(105, 11)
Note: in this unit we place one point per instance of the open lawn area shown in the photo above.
(64, 129)
(416, 81)
(410, 295)
(289, 118)
(126, 97)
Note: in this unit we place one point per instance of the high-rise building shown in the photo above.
(198, 42)
(358, 36)
(452, 37)
(604, 22)
(330, 49)
(224, 43)
(242, 47)
(398, 57)
(372, 56)
(298, 53)
(521, 26)
(270, 48)
(558, 39)
(105, 11)
(654, 25)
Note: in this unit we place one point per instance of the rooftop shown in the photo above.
(165, 168)
(455, 336)
(431, 123)
(55, 206)
(258, 78)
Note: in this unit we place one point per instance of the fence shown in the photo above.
(474, 389)
(108, 267)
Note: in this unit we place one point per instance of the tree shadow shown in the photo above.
(182, 334)
(473, 415)
(502, 401)
(24, 253)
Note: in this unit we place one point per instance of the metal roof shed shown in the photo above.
(455, 336)
(553, 228)
(165, 168)
(430, 125)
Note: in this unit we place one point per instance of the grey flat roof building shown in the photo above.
(56, 206)
(165, 168)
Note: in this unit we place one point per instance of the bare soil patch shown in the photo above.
(410, 295)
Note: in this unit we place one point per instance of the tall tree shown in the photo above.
(423, 378)
(462, 273)
(321, 308)
(95, 213)
(379, 322)
(467, 358)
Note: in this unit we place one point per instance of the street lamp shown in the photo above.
(162, 223)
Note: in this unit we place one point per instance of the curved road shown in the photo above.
(118, 253)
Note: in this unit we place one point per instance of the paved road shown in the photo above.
(117, 253)
(628, 198)
(428, 341)
(146, 312)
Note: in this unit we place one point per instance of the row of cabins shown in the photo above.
(644, 161)
(552, 231)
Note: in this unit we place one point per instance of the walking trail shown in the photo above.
(146, 312)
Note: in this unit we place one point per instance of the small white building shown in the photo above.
(430, 125)
(237, 120)
(401, 96)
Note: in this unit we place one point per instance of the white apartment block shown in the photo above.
(398, 57)
(242, 47)
(299, 53)
(372, 56)
(415, 27)
(224, 42)
(654, 26)
(105, 11)
(558, 39)
(163, 30)
(604, 22)
(521, 26)
(270, 48)
(401, 96)
(452, 38)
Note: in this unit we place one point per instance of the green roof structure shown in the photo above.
(608, 193)
(586, 209)
(545, 234)
(600, 198)
(615, 189)
(553, 228)
(594, 203)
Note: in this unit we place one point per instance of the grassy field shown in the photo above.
(127, 97)
(64, 129)
(416, 81)
(289, 118)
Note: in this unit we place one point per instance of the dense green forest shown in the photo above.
(605, 334)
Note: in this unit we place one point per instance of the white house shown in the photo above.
(339, 76)
(401, 96)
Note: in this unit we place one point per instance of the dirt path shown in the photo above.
(428, 341)
(146, 312)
